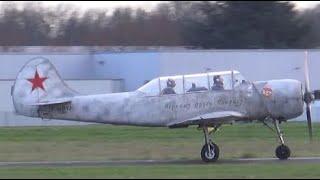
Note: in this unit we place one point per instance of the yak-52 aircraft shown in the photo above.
(207, 100)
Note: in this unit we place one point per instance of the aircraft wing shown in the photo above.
(53, 101)
(221, 117)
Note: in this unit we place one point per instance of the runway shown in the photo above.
(159, 162)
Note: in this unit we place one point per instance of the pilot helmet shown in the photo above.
(171, 83)
(217, 79)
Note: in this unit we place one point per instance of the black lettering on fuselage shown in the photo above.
(230, 102)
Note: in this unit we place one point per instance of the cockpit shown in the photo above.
(193, 83)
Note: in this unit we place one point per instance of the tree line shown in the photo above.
(194, 24)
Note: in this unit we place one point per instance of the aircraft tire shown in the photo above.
(206, 157)
(283, 152)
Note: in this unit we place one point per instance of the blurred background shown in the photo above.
(197, 24)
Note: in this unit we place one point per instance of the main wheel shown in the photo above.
(211, 156)
(283, 152)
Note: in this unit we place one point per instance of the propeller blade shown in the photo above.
(308, 110)
(308, 97)
(306, 73)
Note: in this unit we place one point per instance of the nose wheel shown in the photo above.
(283, 152)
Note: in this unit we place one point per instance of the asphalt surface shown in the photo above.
(315, 160)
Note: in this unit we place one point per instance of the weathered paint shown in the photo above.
(243, 103)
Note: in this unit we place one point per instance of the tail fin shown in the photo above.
(38, 83)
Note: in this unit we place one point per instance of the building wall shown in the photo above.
(134, 67)
(87, 87)
(69, 66)
(5, 96)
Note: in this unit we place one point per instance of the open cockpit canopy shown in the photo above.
(183, 84)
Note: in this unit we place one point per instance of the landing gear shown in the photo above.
(282, 152)
(209, 151)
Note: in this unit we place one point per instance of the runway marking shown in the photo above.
(160, 162)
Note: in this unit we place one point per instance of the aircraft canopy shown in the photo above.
(192, 83)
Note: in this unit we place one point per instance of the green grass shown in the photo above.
(248, 171)
(103, 142)
(124, 133)
(106, 142)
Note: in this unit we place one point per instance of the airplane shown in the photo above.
(170, 101)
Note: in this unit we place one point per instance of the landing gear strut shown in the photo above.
(209, 151)
(282, 152)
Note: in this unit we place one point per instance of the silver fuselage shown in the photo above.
(135, 108)
(40, 92)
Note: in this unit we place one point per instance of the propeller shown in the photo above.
(308, 96)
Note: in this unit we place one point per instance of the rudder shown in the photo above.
(38, 82)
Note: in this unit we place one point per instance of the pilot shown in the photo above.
(169, 89)
(217, 83)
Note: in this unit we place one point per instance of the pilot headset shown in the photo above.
(216, 78)
(171, 83)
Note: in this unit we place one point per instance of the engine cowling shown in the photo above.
(283, 98)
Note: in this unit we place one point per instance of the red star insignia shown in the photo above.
(37, 81)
